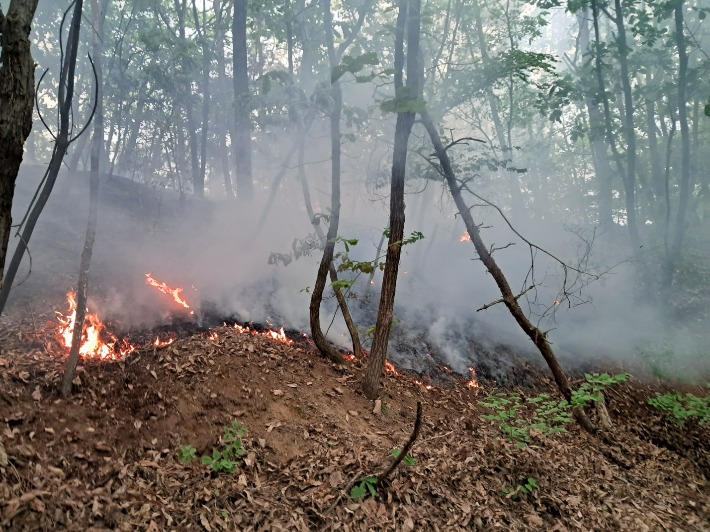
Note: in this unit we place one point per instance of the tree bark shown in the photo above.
(628, 125)
(516, 194)
(509, 299)
(686, 185)
(97, 143)
(335, 113)
(600, 158)
(221, 124)
(17, 94)
(66, 95)
(408, 13)
(342, 303)
(242, 105)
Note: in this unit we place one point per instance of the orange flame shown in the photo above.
(389, 368)
(465, 237)
(91, 343)
(174, 292)
(280, 335)
(472, 382)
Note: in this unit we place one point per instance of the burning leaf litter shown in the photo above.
(92, 343)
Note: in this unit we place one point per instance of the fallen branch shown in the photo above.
(382, 476)
(417, 424)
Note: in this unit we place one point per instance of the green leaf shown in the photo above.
(403, 105)
(353, 65)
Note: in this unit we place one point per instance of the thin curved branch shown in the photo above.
(39, 113)
(96, 101)
(512, 228)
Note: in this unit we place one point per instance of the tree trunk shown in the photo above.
(600, 158)
(686, 185)
(516, 195)
(97, 143)
(242, 105)
(61, 144)
(205, 104)
(221, 127)
(352, 329)
(335, 113)
(409, 14)
(17, 93)
(509, 299)
(629, 132)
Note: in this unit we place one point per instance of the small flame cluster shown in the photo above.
(92, 343)
(472, 382)
(279, 335)
(465, 237)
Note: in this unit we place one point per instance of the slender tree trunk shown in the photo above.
(61, 144)
(628, 124)
(206, 62)
(600, 158)
(509, 299)
(654, 154)
(686, 185)
(325, 263)
(342, 303)
(220, 122)
(17, 93)
(516, 195)
(242, 105)
(97, 143)
(409, 14)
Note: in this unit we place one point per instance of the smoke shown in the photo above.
(212, 249)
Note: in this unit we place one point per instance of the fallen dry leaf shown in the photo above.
(378, 407)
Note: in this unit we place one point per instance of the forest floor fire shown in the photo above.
(108, 457)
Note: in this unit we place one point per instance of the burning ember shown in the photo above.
(472, 382)
(164, 288)
(465, 237)
(92, 345)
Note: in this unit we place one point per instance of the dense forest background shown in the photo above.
(585, 122)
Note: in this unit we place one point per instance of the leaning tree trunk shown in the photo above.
(96, 144)
(335, 113)
(352, 329)
(66, 94)
(242, 106)
(17, 93)
(409, 13)
(537, 336)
